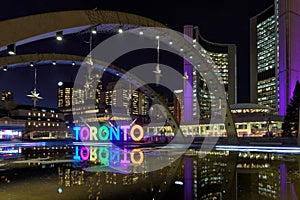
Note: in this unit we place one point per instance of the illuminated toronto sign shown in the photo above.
(104, 133)
(109, 156)
(9, 134)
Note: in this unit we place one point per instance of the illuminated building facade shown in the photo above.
(7, 96)
(67, 96)
(223, 57)
(99, 92)
(264, 65)
(269, 184)
(257, 177)
(205, 173)
(64, 96)
(274, 52)
(42, 123)
(78, 96)
(134, 104)
(117, 96)
(139, 103)
(121, 97)
(251, 120)
(178, 102)
(23, 121)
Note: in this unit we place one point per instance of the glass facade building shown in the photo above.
(223, 59)
(121, 96)
(64, 96)
(264, 40)
(274, 54)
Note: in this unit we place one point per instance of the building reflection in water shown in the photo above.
(54, 172)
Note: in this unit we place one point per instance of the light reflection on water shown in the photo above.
(62, 171)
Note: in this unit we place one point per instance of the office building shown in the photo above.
(99, 92)
(64, 96)
(34, 123)
(263, 58)
(117, 96)
(121, 97)
(274, 50)
(178, 102)
(139, 103)
(223, 57)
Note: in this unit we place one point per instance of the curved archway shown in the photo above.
(19, 29)
(12, 30)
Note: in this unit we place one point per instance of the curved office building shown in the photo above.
(223, 57)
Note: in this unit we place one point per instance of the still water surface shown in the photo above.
(66, 171)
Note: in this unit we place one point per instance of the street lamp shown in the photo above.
(59, 35)
(11, 49)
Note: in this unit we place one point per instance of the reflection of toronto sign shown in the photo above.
(104, 133)
(109, 156)
(10, 150)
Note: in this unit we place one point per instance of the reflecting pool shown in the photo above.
(57, 170)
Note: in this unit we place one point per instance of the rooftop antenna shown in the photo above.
(34, 95)
(90, 63)
(157, 71)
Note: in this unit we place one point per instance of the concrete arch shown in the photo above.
(27, 58)
(18, 29)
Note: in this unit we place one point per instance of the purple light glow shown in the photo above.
(259, 147)
(188, 92)
(188, 70)
(188, 178)
(282, 64)
(289, 51)
(85, 153)
(283, 182)
(293, 192)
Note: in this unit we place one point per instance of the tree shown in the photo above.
(291, 120)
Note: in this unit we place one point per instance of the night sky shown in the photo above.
(218, 21)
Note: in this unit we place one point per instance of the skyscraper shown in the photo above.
(117, 96)
(139, 103)
(178, 101)
(223, 57)
(263, 58)
(120, 96)
(99, 92)
(275, 49)
(64, 96)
